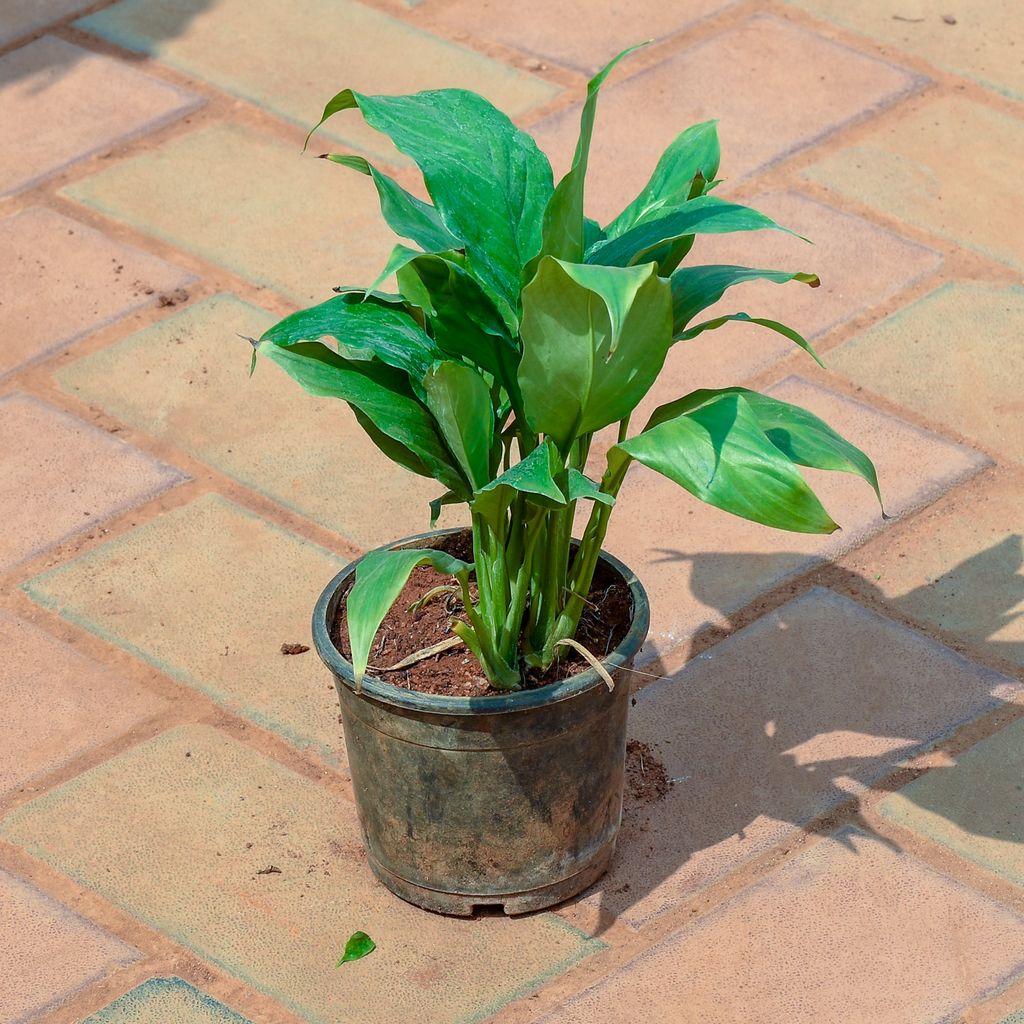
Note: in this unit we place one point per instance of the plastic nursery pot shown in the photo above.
(512, 800)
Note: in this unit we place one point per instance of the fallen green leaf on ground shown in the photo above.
(359, 945)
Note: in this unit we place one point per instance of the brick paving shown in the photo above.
(841, 717)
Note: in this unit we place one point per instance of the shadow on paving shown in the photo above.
(747, 745)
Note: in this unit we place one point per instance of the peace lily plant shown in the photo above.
(519, 329)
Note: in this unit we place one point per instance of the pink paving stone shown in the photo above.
(58, 703)
(61, 477)
(763, 72)
(59, 280)
(553, 29)
(20, 17)
(47, 952)
(851, 931)
(700, 564)
(774, 726)
(62, 103)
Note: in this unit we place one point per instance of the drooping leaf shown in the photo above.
(594, 340)
(703, 215)
(772, 325)
(719, 452)
(488, 180)
(536, 476)
(583, 488)
(695, 151)
(380, 577)
(460, 401)
(564, 232)
(696, 288)
(359, 945)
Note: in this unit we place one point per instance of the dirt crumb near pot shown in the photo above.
(647, 781)
(455, 672)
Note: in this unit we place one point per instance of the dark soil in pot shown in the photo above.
(455, 672)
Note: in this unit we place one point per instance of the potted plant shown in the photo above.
(519, 330)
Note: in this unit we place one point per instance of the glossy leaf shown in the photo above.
(583, 488)
(460, 401)
(772, 325)
(359, 945)
(535, 476)
(719, 452)
(594, 340)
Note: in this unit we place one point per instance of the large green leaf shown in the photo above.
(381, 393)
(380, 578)
(535, 476)
(563, 234)
(719, 452)
(696, 288)
(594, 340)
(694, 152)
(772, 325)
(703, 215)
(487, 178)
(406, 215)
(460, 401)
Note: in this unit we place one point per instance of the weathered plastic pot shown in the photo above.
(508, 800)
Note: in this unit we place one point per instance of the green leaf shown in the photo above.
(488, 180)
(583, 488)
(536, 476)
(594, 340)
(693, 152)
(406, 215)
(359, 945)
(703, 215)
(696, 288)
(772, 325)
(460, 401)
(380, 577)
(381, 393)
(563, 231)
(719, 452)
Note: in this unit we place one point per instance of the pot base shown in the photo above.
(465, 904)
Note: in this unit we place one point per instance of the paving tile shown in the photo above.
(208, 593)
(166, 1001)
(288, 62)
(555, 31)
(954, 356)
(20, 17)
(700, 564)
(58, 703)
(299, 226)
(60, 477)
(59, 280)
(961, 570)
(976, 807)
(919, 170)
(176, 856)
(47, 952)
(849, 931)
(773, 727)
(977, 44)
(62, 103)
(186, 380)
(1014, 1018)
(639, 117)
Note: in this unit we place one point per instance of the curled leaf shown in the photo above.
(359, 945)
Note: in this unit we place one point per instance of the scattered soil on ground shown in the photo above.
(294, 648)
(646, 779)
(455, 672)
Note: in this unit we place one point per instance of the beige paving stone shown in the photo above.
(166, 1001)
(700, 564)
(60, 477)
(186, 380)
(806, 87)
(58, 703)
(208, 593)
(919, 170)
(47, 952)
(176, 856)
(288, 62)
(295, 224)
(557, 32)
(954, 356)
(850, 931)
(962, 570)
(62, 103)
(773, 727)
(976, 807)
(20, 17)
(979, 43)
(59, 280)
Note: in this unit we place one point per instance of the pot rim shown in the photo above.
(413, 700)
